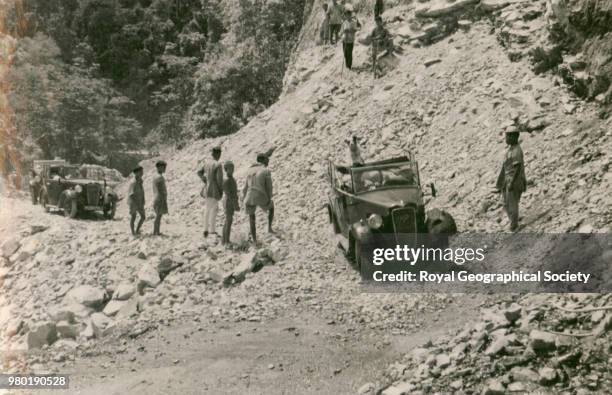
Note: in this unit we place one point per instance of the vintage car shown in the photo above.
(67, 187)
(381, 204)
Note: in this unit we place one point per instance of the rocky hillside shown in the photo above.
(465, 70)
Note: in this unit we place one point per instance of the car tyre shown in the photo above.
(361, 262)
(440, 225)
(109, 212)
(70, 207)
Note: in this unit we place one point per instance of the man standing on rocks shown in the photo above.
(349, 29)
(212, 176)
(379, 8)
(230, 190)
(257, 192)
(35, 187)
(136, 200)
(381, 41)
(354, 151)
(335, 21)
(160, 193)
(511, 181)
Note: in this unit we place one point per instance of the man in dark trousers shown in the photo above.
(335, 20)
(257, 192)
(379, 8)
(136, 200)
(349, 29)
(511, 181)
(35, 187)
(160, 199)
(230, 190)
(381, 41)
(212, 176)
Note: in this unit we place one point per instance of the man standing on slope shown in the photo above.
(511, 181)
(349, 28)
(136, 201)
(257, 192)
(212, 176)
(381, 41)
(160, 193)
(335, 21)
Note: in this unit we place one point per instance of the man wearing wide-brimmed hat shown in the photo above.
(511, 181)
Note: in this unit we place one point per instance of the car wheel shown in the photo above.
(109, 212)
(362, 263)
(440, 225)
(70, 208)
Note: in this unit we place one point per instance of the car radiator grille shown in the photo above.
(404, 225)
(93, 195)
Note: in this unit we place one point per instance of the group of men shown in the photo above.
(136, 198)
(340, 23)
(257, 192)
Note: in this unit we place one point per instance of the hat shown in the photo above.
(348, 7)
(216, 148)
(160, 163)
(137, 169)
(227, 164)
(261, 156)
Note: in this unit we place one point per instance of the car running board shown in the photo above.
(342, 242)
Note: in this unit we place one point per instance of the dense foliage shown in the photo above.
(90, 77)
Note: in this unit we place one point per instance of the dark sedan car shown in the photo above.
(381, 204)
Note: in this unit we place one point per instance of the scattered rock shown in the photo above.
(147, 277)
(87, 295)
(542, 342)
(41, 334)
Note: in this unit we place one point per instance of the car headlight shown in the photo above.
(78, 189)
(375, 221)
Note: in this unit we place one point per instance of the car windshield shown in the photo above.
(381, 177)
(70, 172)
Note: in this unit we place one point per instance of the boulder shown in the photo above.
(87, 295)
(147, 277)
(41, 334)
(71, 310)
(513, 313)
(13, 328)
(113, 307)
(67, 330)
(547, 375)
(437, 8)
(523, 374)
(10, 246)
(129, 309)
(124, 291)
(399, 389)
(494, 387)
(100, 324)
(542, 342)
